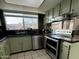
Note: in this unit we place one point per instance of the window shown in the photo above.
(31, 23)
(14, 23)
(20, 21)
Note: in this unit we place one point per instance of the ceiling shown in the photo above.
(41, 5)
(47, 4)
(29, 3)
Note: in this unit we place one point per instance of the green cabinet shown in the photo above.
(4, 50)
(75, 6)
(69, 50)
(64, 50)
(20, 43)
(65, 7)
(15, 44)
(74, 51)
(56, 10)
(27, 43)
(46, 19)
(50, 14)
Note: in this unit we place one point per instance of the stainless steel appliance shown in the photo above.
(52, 47)
(37, 42)
(70, 30)
(52, 44)
(69, 35)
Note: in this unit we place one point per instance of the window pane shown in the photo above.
(31, 23)
(14, 23)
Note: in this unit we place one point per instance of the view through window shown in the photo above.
(31, 23)
(20, 22)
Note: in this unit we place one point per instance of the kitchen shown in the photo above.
(44, 29)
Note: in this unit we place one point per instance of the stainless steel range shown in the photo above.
(66, 30)
(70, 30)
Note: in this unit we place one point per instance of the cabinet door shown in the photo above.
(46, 20)
(6, 49)
(65, 6)
(64, 50)
(4, 54)
(1, 51)
(74, 52)
(15, 44)
(56, 11)
(27, 43)
(75, 6)
(50, 14)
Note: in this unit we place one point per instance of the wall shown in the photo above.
(16, 8)
(65, 6)
(7, 6)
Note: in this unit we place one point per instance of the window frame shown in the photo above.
(22, 20)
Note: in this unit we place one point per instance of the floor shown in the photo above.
(39, 54)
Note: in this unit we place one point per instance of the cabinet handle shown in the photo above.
(66, 46)
(72, 10)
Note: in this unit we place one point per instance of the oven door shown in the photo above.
(52, 47)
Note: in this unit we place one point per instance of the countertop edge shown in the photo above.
(62, 39)
(4, 38)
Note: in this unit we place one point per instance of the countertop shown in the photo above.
(57, 37)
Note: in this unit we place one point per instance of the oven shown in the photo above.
(52, 47)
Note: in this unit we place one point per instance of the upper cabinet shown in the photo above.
(75, 6)
(65, 7)
(46, 19)
(51, 14)
(56, 10)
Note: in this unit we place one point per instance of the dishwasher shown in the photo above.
(37, 42)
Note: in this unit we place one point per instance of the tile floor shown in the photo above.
(39, 54)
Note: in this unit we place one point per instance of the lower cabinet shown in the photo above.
(15, 44)
(4, 50)
(64, 50)
(69, 50)
(27, 43)
(20, 43)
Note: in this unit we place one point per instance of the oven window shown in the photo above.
(51, 50)
(51, 42)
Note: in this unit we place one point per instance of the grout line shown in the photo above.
(24, 55)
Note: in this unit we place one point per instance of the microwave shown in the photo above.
(72, 24)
